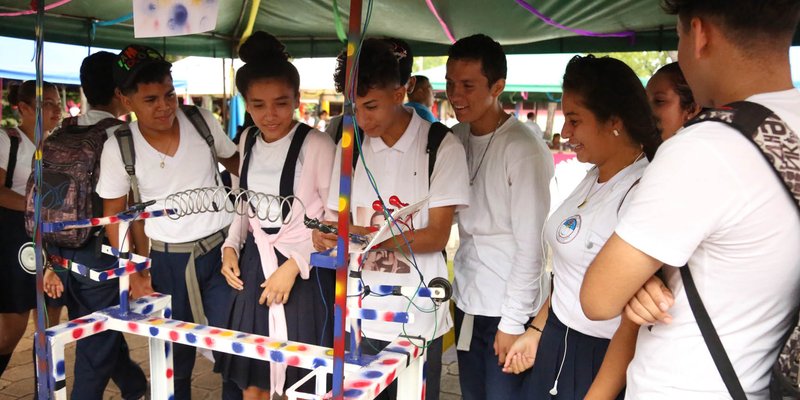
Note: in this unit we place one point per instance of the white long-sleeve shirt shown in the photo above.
(499, 261)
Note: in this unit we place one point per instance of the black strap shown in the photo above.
(128, 153)
(13, 136)
(202, 128)
(436, 134)
(714, 344)
(289, 166)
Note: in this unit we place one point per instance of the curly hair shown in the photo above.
(378, 67)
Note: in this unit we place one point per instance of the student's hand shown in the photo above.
(522, 353)
(140, 285)
(651, 303)
(502, 343)
(323, 241)
(278, 286)
(53, 286)
(230, 268)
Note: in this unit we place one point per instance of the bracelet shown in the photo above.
(532, 326)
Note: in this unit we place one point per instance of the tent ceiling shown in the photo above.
(308, 29)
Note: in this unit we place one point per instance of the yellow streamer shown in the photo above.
(251, 21)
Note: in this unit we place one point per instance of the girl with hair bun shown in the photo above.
(18, 288)
(267, 261)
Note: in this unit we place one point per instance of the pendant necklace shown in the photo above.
(485, 150)
(163, 156)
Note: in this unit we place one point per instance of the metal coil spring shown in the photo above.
(237, 201)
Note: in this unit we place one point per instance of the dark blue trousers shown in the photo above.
(478, 373)
(168, 275)
(105, 355)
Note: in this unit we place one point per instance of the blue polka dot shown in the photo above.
(385, 289)
(318, 362)
(424, 292)
(237, 347)
(71, 324)
(191, 338)
(147, 309)
(151, 7)
(167, 348)
(352, 393)
(276, 356)
(369, 314)
(171, 397)
(153, 331)
(140, 267)
(124, 294)
(103, 277)
(241, 335)
(199, 327)
(168, 313)
(373, 374)
(60, 368)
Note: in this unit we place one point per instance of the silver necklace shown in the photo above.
(485, 150)
(163, 156)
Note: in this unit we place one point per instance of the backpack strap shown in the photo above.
(14, 138)
(69, 121)
(290, 165)
(249, 141)
(764, 130)
(125, 141)
(201, 126)
(436, 134)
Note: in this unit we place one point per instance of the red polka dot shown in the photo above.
(98, 326)
(132, 327)
(377, 391)
(404, 343)
(214, 331)
(301, 347)
(293, 361)
(361, 384)
(261, 351)
(389, 361)
(77, 333)
(259, 340)
(130, 267)
(181, 325)
(389, 378)
(173, 335)
(94, 221)
(169, 373)
(388, 316)
(209, 341)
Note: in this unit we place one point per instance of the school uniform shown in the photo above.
(185, 253)
(402, 171)
(298, 165)
(104, 355)
(498, 266)
(576, 232)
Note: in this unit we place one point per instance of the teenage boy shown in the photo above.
(420, 97)
(498, 265)
(709, 199)
(394, 151)
(171, 155)
(105, 355)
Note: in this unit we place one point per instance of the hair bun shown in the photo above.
(262, 47)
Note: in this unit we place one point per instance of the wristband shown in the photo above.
(532, 326)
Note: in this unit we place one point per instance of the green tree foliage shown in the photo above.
(643, 63)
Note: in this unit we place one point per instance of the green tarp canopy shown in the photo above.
(308, 28)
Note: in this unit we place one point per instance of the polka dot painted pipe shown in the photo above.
(400, 360)
(130, 267)
(377, 315)
(408, 291)
(49, 227)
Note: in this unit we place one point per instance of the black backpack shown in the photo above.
(779, 145)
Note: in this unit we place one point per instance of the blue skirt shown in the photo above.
(309, 318)
(582, 358)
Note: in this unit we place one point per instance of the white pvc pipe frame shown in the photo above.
(402, 360)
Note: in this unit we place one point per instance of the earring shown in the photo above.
(616, 132)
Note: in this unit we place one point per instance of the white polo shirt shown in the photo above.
(402, 171)
(499, 260)
(191, 167)
(576, 235)
(709, 198)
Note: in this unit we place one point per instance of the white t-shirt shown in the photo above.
(576, 235)
(94, 116)
(265, 170)
(709, 198)
(402, 171)
(23, 167)
(499, 258)
(191, 167)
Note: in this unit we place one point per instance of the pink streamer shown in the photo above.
(581, 32)
(441, 21)
(28, 12)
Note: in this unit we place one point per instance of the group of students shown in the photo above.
(643, 211)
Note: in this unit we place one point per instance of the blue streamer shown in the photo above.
(119, 20)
